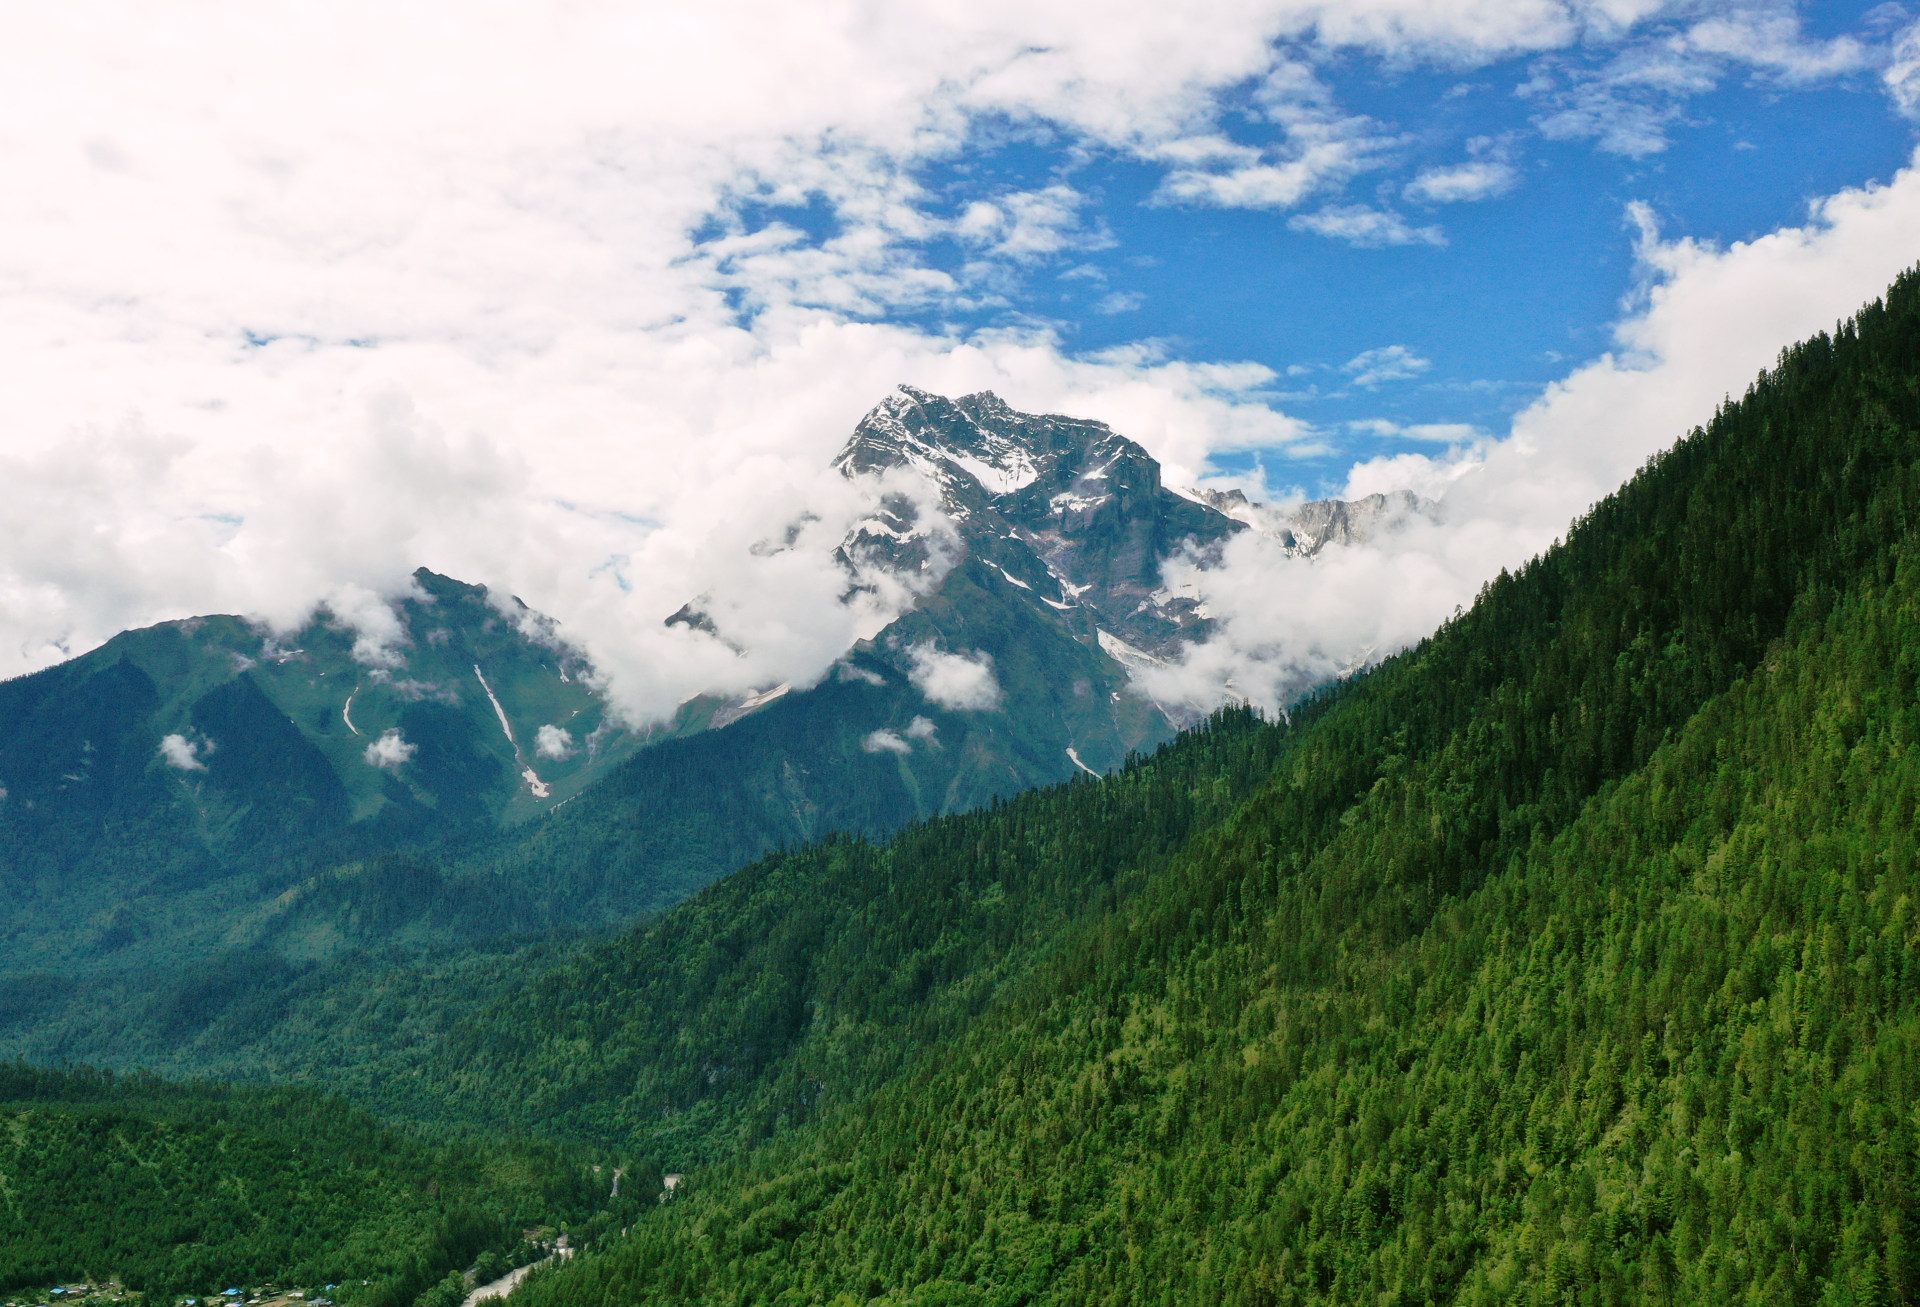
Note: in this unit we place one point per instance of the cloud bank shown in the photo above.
(301, 298)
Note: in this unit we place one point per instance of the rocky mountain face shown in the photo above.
(1066, 510)
(1066, 522)
(1308, 528)
(1048, 540)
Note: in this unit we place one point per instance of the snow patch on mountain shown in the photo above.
(1017, 472)
(1125, 654)
(734, 711)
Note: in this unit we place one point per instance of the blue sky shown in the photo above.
(1485, 300)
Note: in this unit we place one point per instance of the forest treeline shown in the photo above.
(1566, 957)
(192, 1188)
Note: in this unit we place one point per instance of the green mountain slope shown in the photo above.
(206, 968)
(1567, 955)
(154, 789)
(204, 785)
(196, 1188)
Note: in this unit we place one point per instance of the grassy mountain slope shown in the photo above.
(1565, 954)
(686, 811)
(886, 944)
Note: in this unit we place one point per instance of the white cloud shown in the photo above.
(554, 742)
(390, 750)
(573, 301)
(380, 637)
(1712, 318)
(900, 742)
(1442, 433)
(848, 672)
(885, 741)
(1627, 102)
(1902, 74)
(1027, 225)
(1774, 43)
(1320, 148)
(1626, 105)
(960, 682)
(1478, 179)
(182, 753)
(1376, 367)
(1365, 227)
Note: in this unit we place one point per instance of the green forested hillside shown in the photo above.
(193, 1188)
(728, 999)
(811, 975)
(1565, 957)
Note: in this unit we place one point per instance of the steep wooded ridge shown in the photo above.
(1568, 955)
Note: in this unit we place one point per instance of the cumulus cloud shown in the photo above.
(1710, 320)
(554, 742)
(183, 754)
(885, 741)
(960, 682)
(390, 751)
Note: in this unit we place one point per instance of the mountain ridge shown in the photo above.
(309, 796)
